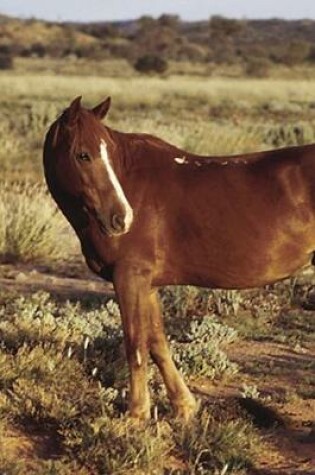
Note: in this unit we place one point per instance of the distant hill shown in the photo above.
(262, 30)
(218, 40)
(23, 35)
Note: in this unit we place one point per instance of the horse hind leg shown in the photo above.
(181, 398)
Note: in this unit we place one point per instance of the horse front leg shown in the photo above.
(132, 289)
(181, 398)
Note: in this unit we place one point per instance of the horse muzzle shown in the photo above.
(114, 225)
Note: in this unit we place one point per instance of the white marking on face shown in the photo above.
(181, 160)
(114, 180)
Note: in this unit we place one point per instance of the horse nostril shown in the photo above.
(100, 217)
(118, 222)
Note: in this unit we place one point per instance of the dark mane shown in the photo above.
(146, 150)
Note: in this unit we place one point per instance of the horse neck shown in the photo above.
(143, 151)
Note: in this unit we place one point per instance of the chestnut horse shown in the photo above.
(148, 214)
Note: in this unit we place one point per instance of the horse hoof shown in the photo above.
(186, 409)
(140, 413)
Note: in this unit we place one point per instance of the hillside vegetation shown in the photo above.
(254, 45)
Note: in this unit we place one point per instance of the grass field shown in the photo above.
(63, 378)
(211, 116)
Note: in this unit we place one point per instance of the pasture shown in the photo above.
(249, 357)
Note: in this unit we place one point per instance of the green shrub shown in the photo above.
(6, 60)
(296, 52)
(257, 67)
(151, 63)
(199, 353)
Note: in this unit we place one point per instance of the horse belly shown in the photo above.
(241, 274)
(253, 258)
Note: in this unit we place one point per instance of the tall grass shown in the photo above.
(210, 116)
(31, 227)
(155, 91)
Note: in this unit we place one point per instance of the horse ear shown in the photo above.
(101, 110)
(73, 110)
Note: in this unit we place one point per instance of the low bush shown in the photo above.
(257, 67)
(199, 353)
(49, 355)
(151, 63)
(31, 227)
(6, 60)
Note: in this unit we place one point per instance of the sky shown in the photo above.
(104, 10)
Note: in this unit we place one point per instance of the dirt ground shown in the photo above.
(276, 369)
(290, 445)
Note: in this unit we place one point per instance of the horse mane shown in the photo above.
(159, 149)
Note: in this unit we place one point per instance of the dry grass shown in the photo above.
(31, 227)
(48, 386)
(61, 369)
(155, 91)
(203, 115)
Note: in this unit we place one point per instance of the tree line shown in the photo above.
(149, 43)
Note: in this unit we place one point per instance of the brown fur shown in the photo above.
(229, 222)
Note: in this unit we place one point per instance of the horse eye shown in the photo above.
(84, 156)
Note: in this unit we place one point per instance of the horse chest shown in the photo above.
(100, 253)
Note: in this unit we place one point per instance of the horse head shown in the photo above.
(87, 166)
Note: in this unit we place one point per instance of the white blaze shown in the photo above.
(114, 180)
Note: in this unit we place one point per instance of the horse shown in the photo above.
(149, 214)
